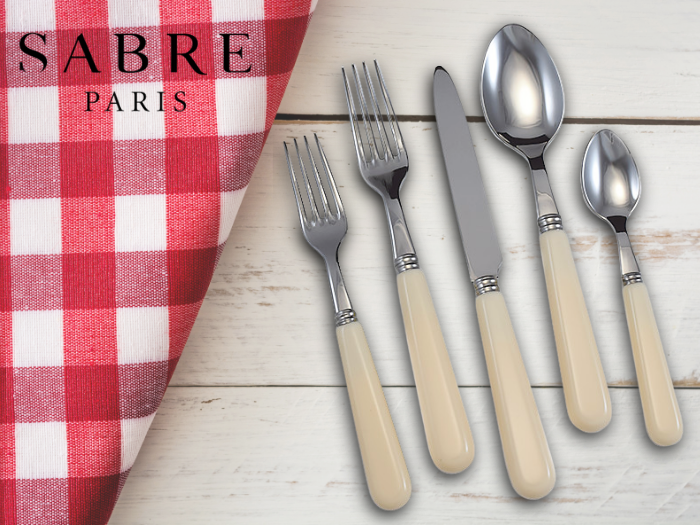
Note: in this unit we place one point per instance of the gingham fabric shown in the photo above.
(111, 222)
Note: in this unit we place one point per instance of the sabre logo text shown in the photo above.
(176, 57)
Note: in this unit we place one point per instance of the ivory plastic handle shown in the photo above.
(525, 449)
(661, 413)
(385, 468)
(447, 430)
(585, 389)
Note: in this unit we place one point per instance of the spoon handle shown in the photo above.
(585, 389)
(525, 449)
(661, 413)
(385, 467)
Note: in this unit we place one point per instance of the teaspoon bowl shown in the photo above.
(610, 179)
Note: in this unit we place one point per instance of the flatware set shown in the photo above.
(523, 103)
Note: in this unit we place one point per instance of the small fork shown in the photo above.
(383, 163)
(324, 229)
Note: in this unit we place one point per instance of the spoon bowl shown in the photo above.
(521, 91)
(609, 178)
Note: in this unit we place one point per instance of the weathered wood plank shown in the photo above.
(289, 455)
(617, 59)
(267, 319)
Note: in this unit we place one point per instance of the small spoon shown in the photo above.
(523, 102)
(611, 188)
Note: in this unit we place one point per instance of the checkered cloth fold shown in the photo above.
(112, 220)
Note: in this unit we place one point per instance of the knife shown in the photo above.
(525, 449)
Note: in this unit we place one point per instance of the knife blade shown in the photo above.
(468, 195)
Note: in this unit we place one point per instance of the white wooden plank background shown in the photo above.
(621, 58)
(256, 426)
(288, 455)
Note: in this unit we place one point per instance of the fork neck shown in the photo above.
(341, 301)
(402, 246)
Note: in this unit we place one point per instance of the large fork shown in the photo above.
(324, 229)
(383, 164)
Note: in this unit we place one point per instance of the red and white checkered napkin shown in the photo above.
(111, 223)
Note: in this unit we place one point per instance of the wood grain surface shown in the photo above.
(256, 426)
(289, 455)
(622, 59)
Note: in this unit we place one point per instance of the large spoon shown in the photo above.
(523, 102)
(611, 188)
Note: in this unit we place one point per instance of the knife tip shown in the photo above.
(440, 68)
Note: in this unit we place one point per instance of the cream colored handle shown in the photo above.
(447, 430)
(585, 389)
(661, 413)
(525, 449)
(385, 468)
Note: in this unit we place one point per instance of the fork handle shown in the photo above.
(585, 389)
(384, 464)
(661, 413)
(447, 430)
(525, 449)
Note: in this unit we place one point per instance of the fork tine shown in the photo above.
(378, 117)
(297, 193)
(395, 129)
(371, 141)
(321, 191)
(340, 211)
(356, 134)
(309, 192)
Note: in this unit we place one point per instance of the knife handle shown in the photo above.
(585, 389)
(447, 430)
(525, 449)
(385, 467)
(661, 413)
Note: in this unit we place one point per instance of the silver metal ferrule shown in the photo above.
(408, 261)
(549, 222)
(488, 283)
(631, 278)
(345, 317)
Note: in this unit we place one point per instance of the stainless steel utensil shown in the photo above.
(383, 164)
(525, 447)
(324, 229)
(523, 102)
(611, 188)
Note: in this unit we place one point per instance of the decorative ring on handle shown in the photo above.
(345, 317)
(631, 278)
(486, 284)
(408, 261)
(550, 222)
